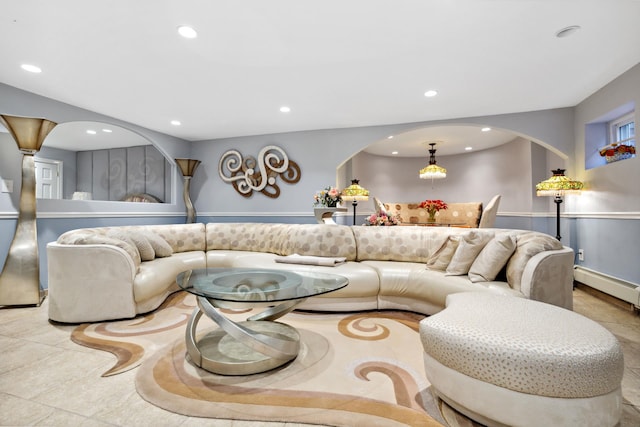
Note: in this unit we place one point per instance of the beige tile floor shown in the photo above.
(45, 379)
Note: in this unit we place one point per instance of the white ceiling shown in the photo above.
(335, 63)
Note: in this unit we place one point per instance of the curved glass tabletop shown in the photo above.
(258, 285)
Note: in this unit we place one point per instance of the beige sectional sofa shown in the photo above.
(118, 272)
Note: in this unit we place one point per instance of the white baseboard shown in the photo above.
(619, 288)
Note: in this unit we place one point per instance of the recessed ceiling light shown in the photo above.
(187, 32)
(468, 148)
(107, 130)
(394, 152)
(487, 129)
(176, 122)
(31, 68)
(390, 137)
(430, 93)
(567, 31)
(91, 132)
(285, 109)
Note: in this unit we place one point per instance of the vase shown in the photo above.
(324, 215)
(432, 216)
(20, 277)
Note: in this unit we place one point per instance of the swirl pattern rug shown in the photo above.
(353, 369)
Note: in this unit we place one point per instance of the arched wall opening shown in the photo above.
(510, 166)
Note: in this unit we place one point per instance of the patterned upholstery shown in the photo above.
(524, 345)
(283, 239)
(464, 214)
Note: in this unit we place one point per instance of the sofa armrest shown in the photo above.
(548, 277)
(90, 282)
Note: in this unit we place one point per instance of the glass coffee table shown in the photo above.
(259, 343)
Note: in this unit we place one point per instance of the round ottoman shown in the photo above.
(512, 361)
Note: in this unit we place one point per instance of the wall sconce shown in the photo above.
(20, 277)
(188, 168)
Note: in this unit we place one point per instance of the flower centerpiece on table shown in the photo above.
(433, 206)
(382, 218)
(329, 197)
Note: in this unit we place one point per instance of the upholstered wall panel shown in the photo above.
(118, 172)
(117, 176)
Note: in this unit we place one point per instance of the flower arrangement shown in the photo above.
(615, 152)
(433, 206)
(382, 218)
(329, 197)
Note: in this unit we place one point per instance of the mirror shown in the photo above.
(99, 161)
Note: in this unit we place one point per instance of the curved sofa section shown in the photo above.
(106, 273)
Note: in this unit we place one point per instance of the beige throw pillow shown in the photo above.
(528, 245)
(142, 244)
(442, 257)
(125, 237)
(468, 249)
(89, 238)
(160, 246)
(492, 258)
(379, 206)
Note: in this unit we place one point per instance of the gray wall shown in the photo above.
(57, 216)
(607, 214)
(603, 221)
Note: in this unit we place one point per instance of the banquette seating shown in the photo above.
(118, 272)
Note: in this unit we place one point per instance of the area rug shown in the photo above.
(353, 369)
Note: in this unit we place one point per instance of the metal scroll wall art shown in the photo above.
(260, 175)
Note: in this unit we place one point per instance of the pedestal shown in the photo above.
(325, 215)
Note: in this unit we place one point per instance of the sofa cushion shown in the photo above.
(442, 257)
(408, 244)
(181, 237)
(323, 240)
(88, 237)
(468, 249)
(492, 258)
(528, 244)
(160, 246)
(147, 253)
(257, 237)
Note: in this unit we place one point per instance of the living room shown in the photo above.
(603, 222)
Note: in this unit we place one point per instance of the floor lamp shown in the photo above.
(354, 193)
(557, 186)
(20, 277)
(188, 168)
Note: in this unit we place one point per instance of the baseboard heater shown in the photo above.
(619, 288)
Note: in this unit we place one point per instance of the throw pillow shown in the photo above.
(492, 258)
(442, 257)
(124, 236)
(91, 238)
(142, 244)
(160, 246)
(468, 249)
(528, 245)
(379, 206)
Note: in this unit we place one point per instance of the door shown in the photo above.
(48, 179)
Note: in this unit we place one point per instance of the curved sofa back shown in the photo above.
(355, 243)
(407, 244)
(283, 239)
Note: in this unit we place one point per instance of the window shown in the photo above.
(622, 143)
(611, 137)
(623, 130)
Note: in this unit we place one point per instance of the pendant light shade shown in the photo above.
(432, 170)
